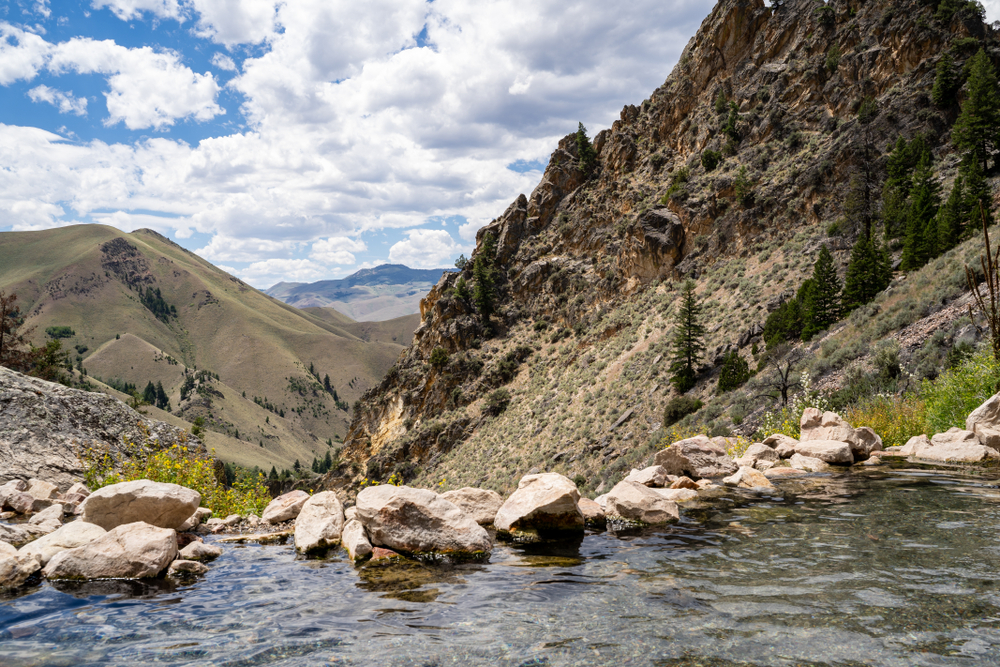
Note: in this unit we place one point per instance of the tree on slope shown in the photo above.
(978, 125)
(869, 271)
(688, 340)
(920, 242)
(484, 273)
(823, 305)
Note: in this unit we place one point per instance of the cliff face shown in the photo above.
(586, 266)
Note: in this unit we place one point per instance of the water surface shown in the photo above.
(898, 566)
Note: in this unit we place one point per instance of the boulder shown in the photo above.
(72, 502)
(480, 504)
(807, 463)
(51, 515)
(419, 521)
(911, 447)
(350, 514)
(696, 457)
(154, 503)
(191, 523)
(828, 451)
(355, 540)
(285, 507)
(7, 549)
(72, 535)
(984, 421)
(779, 472)
(320, 522)
(640, 504)
(42, 490)
(25, 503)
(748, 478)
(866, 442)
(78, 488)
(677, 495)
(955, 445)
(776, 440)
(758, 453)
(20, 534)
(130, 551)
(652, 476)
(593, 513)
(200, 551)
(542, 502)
(684, 483)
(186, 567)
(816, 425)
(16, 568)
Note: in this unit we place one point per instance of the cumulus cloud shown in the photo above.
(234, 22)
(65, 102)
(425, 249)
(268, 272)
(337, 250)
(222, 61)
(226, 249)
(128, 10)
(22, 54)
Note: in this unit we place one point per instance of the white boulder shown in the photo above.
(285, 507)
(480, 504)
(320, 522)
(355, 540)
(542, 502)
(155, 503)
(72, 535)
(641, 504)
(130, 551)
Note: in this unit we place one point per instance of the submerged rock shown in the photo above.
(638, 503)
(480, 504)
(419, 521)
(355, 540)
(546, 502)
(155, 503)
(285, 507)
(131, 551)
(696, 457)
(187, 567)
(748, 478)
(320, 522)
(15, 567)
(70, 536)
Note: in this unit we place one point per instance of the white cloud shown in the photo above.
(127, 10)
(65, 102)
(337, 250)
(467, 232)
(22, 54)
(222, 61)
(425, 249)
(268, 272)
(225, 249)
(42, 7)
(233, 22)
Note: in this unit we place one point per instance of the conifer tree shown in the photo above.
(326, 384)
(734, 373)
(899, 181)
(585, 152)
(946, 82)
(688, 339)
(951, 217)
(327, 462)
(484, 272)
(149, 393)
(978, 125)
(823, 305)
(162, 401)
(920, 242)
(977, 194)
(869, 271)
(273, 475)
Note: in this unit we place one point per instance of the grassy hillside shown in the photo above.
(102, 284)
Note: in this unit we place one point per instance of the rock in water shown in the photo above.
(355, 540)
(70, 536)
(22, 533)
(758, 453)
(200, 551)
(593, 513)
(652, 476)
(748, 478)
(156, 503)
(955, 445)
(418, 521)
(828, 451)
(187, 567)
(867, 443)
(131, 551)
(696, 457)
(285, 507)
(320, 522)
(807, 463)
(641, 504)
(542, 503)
(15, 567)
(480, 504)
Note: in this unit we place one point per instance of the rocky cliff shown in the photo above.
(45, 426)
(790, 101)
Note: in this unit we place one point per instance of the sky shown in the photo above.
(302, 140)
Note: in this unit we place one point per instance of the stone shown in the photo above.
(828, 451)
(52, 514)
(779, 472)
(16, 568)
(543, 502)
(42, 490)
(71, 502)
(866, 441)
(641, 504)
(480, 504)
(825, 426)
(131, 551)
(355, 540)
(191, 523)
(187, 567)
(7, 549)
(911, 447)
(419, 521)
(696, 457)
(24, 503)
(203, 514)
(78, 488)
(155, 503)
(285, 507)
(677, 495)
(184, 539)
(807, 463)
(200, 551)
(350, 514)
(20, 534)
(984, 421)
(955, 445)
(72, 535)
(748, 478)
(593, 513)
(872, 461)
(757, 452)
(320, 522)
(684, 483)
(652, 476)
(783, 445)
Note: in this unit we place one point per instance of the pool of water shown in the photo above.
(895, 566)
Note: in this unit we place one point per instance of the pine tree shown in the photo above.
(920, 242)
(484, 272)
(326, 384)
(315, 465)
(297, 466)
(149, 393)
(977, 195)
(899, 181)
(951, 217)
(585, 152)
(946, 82)
(978, 125)
(162, 401)
(273, 474)
(868, 273)
(462, 289)
(688, 340)
(327, 462)
(734, 373)
(823, 305)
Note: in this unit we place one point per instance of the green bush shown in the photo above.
(496, 402)
(735, 372)
(678, 408)
(960, 390)
(60, 332)
(439, 357)
(710, 159)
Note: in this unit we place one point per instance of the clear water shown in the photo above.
(882, 567)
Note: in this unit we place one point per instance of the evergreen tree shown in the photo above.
(585, 152)
(977, 195)
(462, 289)
(315, 465)
(688, 340)
(326, 384)
(327, 462)
(297, 466)
(149, 393)
(484, 272)
(869, 271)
(951, 217)
(823, 304)
(920, 242)
(730, 129)
(786, 322)
(978, 125)
(162, 401)
(899, 181)
(273, 475)
(734, 373)
(946, 82)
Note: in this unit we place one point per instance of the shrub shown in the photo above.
(678, 408)
(959, 391)
(439, 357)
(710, 159)
(59, 332)
(496, 402)
(895, 418)
(735, 371)
(788, 419)
(178, 465)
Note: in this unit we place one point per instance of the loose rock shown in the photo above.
(200, 551)
(70, 536)
(593, 513)
(16, 568)
(677, 495)
(748, 478)
(320, 522)
(187, 567)
(480, 504)
(155, 503)
(543, 502)
(640, 504)
(285, 507)
(131, 551)
(696, 457)
(355, 540)
(828, 451)
(655, 476)
(807, 463)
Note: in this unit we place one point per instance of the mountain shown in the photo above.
(769, 140)
(137, 308)
(382, 293)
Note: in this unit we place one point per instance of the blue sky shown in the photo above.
(302, 140)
